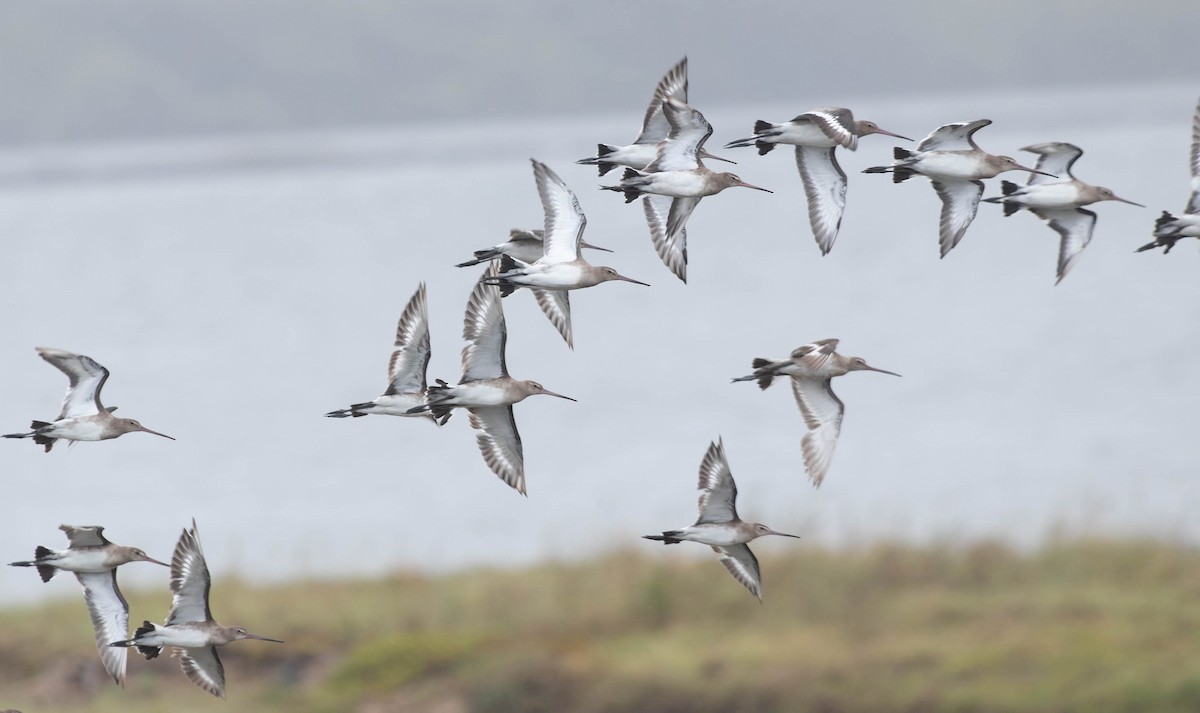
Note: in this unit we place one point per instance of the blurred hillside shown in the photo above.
(1095, 626)
(77, 69)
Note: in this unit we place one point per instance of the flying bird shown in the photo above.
(816, 134)
(1169, 229)
(94, 561)
(954, 164)
(719, 526)
(674, 182)
(486, 390)
(1058, 200)
(522, 245)
(654, 128)
(406, 370)
(811, 368)
(190, 627)
(561, 267)
(83, 417)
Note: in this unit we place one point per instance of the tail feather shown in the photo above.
(667, 538)
(602, 150)
(437, 398)
(354, 411)
(150, 652)
(1148, 246)
(44, 570)
(631, 193)
(1164, 221)
(481, 256)
(507, 264)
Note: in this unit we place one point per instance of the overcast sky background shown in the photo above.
(228, 205)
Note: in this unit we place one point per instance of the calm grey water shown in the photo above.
(240, 288)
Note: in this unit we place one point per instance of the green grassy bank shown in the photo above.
(1095, 626)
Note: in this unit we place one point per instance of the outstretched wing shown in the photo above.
(556, 305)
(190, 581)
(673, 84)
(1193, 205)
(1074, 228)
(743, 565)
(689, 131)
(953, 137)
(671, 247)
(564, 218)
(815, 355)
(110, 619)
(718, 492)
(485, 332)
(960, 201)
(1056, 157)
(85, 535)
(500, 443)
(406, 370)
(835, 122)
(825, 186)
(822, 411)
(203, 667)
(86, 377)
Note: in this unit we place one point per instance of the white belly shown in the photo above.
(83, 561)
(182, 636)
(950, 164)
(398, 405)
(806, 134)
(554, 276)
(714, 534)
(487, 392)
(1049, 195)
(677, 184)
(83, 428)
(635, 155)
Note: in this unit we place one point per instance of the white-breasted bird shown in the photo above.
(406, 387)
(1169, 228)
(811, 368)
(654, 128)
(817, 134)
(94, 561)
(1058, 199)
(83, 417)
(674, 182)
(954, 164)
(190, 628)
(561, 267)
(486, 390)
(718, 524)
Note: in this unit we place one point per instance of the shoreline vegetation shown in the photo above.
(1096, 625)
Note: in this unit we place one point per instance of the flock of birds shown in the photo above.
(664, 167)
